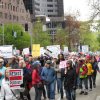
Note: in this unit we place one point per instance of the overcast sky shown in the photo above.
(71, 6)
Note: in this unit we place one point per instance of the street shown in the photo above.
(93, 95)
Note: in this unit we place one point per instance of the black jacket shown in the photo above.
(70, 79)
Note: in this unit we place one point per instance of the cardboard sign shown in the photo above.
(36, 50)
(6, 51)
(62, 64)
(15, 78)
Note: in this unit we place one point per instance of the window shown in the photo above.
(5, 15)
(49, 5)
(10, 17)
(49, 0)
(50, 10)
(1, 14)
(13, 8)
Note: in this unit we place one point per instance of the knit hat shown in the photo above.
(35, 64)
(48, 62)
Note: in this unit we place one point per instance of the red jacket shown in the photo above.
(35, 77)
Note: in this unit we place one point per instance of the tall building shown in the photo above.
(13, 11)
(50, 8)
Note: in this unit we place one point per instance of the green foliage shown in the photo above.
(61, 37)
(39, 36)
(22, 38)
(87, 37)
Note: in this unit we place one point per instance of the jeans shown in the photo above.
(94, 78)
(70, 94)
(90, 80)
(38, 93)
(51, 90)
(60, 86)
(85, 82)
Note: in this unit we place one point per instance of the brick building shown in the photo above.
(13, 11)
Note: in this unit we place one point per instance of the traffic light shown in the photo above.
(26, 27)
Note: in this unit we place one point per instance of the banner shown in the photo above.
(26, 51)
(6, 51)
(36, 50)
(62, 64)
(15, 78)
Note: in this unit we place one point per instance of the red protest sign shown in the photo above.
(15, 78)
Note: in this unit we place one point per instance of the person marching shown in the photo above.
(83, 77)
(70, 81)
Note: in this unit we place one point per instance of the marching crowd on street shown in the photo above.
(44, 74)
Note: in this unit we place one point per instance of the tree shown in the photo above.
(61, 37)
(87, 37)
(39, 36)
(95, 5)
(14, 35)
(72, 28)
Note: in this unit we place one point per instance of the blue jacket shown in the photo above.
(48, 74)
(2, 70)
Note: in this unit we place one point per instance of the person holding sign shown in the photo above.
(6, 92)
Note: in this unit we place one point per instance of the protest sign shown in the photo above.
(6, 51)
(54, 50)
(36, 50)
(85, 48)
(62, 64)
(15, 78)
(26, 51)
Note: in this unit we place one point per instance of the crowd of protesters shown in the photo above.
(44, 74)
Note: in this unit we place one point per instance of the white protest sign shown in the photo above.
(15, 78)
(62, 64)
(26, 51)
(85, 48)
(42, 51)
(6, 51)
(55, 50)
(65, 49)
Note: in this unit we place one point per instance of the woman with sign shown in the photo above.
(6, 92)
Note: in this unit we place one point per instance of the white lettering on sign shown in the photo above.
(15, 73)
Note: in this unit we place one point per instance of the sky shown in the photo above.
(72, 6)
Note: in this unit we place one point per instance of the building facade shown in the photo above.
(13, 11)
(53, 9)
(49, 8)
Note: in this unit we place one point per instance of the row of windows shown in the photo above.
(11, 17)
(51, 0)
(11, 7)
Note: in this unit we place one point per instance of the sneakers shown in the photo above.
(85, 93)
(82, 92)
